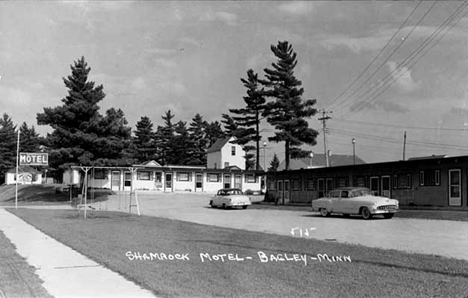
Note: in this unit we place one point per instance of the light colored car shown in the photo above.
(355, 200)
(230, 197)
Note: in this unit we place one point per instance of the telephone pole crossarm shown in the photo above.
(324, 119)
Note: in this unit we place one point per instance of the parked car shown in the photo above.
(230, 197)
(355, 200)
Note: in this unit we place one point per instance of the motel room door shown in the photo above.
(455, 187)
(198, 182)
(374, 185)
(386, 189)
(286, 188)
(168, 182)
(127, 181)
(115, 180)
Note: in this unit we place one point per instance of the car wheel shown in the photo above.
(212, 205)
(224, 206)
(244, 207)
(366, 214)
(388, 215)
(324, 212)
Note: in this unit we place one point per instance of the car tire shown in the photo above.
(244, 207)
(388, 215)
(224, 206)
(211, 204)
(366, 214)
(324, 212)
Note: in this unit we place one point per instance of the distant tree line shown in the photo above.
(81, 135)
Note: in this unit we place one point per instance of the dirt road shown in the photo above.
(438, 237)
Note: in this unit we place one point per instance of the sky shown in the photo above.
(378, 68)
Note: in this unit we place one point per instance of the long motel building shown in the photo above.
(225, 169)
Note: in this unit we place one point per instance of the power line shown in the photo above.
(413, 55)
(404, 126)
(375, 58)
(386, 60)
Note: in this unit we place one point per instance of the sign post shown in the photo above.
(17, 162)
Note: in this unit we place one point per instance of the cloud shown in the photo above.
(357, 45)
(297, 7)
(392, 107)
(160, 51)
(225, 17)
(404, 80)
(139, 83)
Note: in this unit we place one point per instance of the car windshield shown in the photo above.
(361, 192)
(227, 192)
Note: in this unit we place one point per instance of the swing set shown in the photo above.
(81, 201)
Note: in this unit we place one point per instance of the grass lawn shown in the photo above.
(113, 239)
(17, 278)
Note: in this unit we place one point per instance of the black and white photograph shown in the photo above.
(233, 149)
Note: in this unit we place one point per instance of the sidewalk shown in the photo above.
(65, 272)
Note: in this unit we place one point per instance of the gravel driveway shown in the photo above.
(438, 237)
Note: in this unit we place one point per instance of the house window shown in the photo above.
(310, 184)
(233, 150)
(402, 181)
(359, 181)
(184, 176)
(341, 181)
(144, 175)
(249, 178)
(296, 184)
(429, 178)
(100, 174)
(213, 177)
(226, 164)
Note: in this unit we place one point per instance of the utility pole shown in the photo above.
(324, 118)
(404, 146)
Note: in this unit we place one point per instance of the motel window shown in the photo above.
(144, 175)
(272, 185)
(296, 184)
(184, 176)
(158, 177)
(233, 150)
(226, 164)
(249, 178)
(213, 177)
(429, 178)
(341, 181)
(402, 181)
(311, 184)
(359, 181)
(100, 174)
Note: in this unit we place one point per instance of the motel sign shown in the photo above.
(34, 159)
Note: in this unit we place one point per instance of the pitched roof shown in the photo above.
(219, 144)
(428, 157)
(24, 169)
(319, 161)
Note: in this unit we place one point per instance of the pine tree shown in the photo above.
(287, 112)
(30, 141)
(165, 137)
(182, 145)
(144, 140)
(213, 132)
(250, 117)
(274, 164)
(8, 143)
(198, 137)
(81, 135)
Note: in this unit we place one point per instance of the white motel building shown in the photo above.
(225, 169)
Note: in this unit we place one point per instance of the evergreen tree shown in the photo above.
(213, 132)
(144, 140)
(230, 126)
(197, 135)
(30, 141)
(165, 135)
(249, 118)
(8, 143)
(182, 145)
(274, 164)
(81, 135)
(287, 111)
